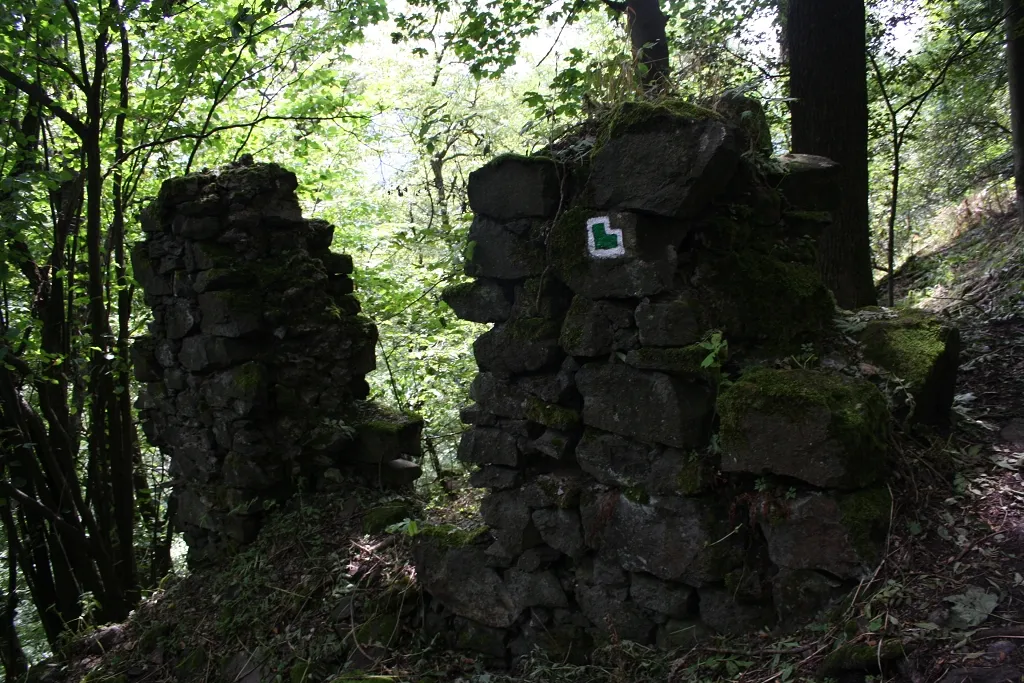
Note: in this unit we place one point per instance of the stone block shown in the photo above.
(504, 251)
(671, 322)
(596, 328)
(827, 430)
(518, 346)
(560, 529)
(601, 254)
(513, 186)
(648, 406)
(232, 313)
(481, 301)
(488, 446)
(842, 534)
(921, 350)
(721, 612)
(695, 162)
(662, 597)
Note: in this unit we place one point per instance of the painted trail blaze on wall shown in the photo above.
(603, 240)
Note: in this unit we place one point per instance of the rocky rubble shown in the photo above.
(253, 364)
(633, 492)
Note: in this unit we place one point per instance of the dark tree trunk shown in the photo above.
(1014, 10)
(828, 79)
(11, 655)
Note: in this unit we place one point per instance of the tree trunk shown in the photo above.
(828, 79)
(11, 655)
(1014, 10)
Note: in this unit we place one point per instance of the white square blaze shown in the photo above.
(603, 240)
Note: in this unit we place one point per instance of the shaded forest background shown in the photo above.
(382, 111)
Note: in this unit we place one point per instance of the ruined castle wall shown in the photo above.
(253, 364)
(630, 491)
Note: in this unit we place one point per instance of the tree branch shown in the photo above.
(38, 96)
(230, 126)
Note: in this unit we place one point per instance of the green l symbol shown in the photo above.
(603, 240)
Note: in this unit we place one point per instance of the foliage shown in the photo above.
(940, 118)
(102, 101)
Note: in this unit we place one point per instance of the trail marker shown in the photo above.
(603, 240)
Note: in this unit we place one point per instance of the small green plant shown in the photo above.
(407, 527)
(716, 346)
(807, 357)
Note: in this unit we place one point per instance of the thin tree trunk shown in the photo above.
(1014, 10)
(828, 81)
(11, 654)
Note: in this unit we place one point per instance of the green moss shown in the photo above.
(372, 417)
(859, 417)
(450, 536)
(567, 249)
(249, 376)
(693, 477)
(628, 117)
(571, 336)
(376, 520)
(457, 291)
(512, 156)
(563, 497)
(761, 297)
(636, 494)
(908, 346)
(557, 417)
(865, 515)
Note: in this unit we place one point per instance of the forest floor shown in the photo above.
(946, 603)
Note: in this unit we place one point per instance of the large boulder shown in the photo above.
(827, 430)
(924, 352)
(649, 406)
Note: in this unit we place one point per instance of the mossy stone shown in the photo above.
(824, 429)
(376, 520)
(761, 298)
(920, 349)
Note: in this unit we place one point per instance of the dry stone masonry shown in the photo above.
(254, 364)
(664, 458)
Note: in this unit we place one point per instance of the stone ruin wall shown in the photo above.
(253, 366)
(630, 492)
